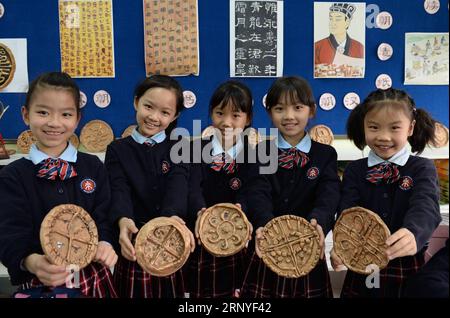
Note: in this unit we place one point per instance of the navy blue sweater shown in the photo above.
(145, 183)
(25, 200)
(312, 191)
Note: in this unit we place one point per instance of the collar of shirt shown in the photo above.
(400, 158)
(304, 145)
(232, 152)
(158, 138)
(36, 156)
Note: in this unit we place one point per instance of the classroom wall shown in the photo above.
(38, 22)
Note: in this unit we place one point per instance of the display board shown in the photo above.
(37, 21)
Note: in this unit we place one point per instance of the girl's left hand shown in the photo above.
(321, 237)
(401, 243)
(105, 254)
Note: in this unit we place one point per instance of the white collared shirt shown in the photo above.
(400, 158)
(37, 156)
(140, 139)
(304, 145)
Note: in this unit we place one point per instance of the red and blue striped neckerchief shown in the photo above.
(223, 162)
(384, 172)
(287, 159)
(56, 168)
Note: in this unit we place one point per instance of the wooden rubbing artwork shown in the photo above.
(96, 135)
(171, 37)
(69, 236)
(162, 246)
(25, 140)
(322, 134)
(290, 246)
(7, 66)
(224, 229)
(359, 238)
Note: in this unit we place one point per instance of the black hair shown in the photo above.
(424, 128)
(162, 81)
(294, 87)
(55, 80)
(235, 92)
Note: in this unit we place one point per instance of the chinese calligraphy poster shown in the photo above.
(86, 38)
(256, 38)
(171, 37)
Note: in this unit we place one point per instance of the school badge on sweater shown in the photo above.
(312, 173)
(165, 167)
(88, 185)
(405, 183)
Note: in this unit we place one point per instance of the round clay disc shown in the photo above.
(440, 135)
(74, 141)
(224, 229)
(96, 135)
(69, 236)
(25, 140)
(290, 246)
(322, 134)
(208, 131)
(162, 246)
(127, 132)
(254, 138)
(7, 66)
(359, 239)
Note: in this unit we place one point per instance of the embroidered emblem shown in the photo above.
(88, 185)
(165, 167)
(235, 183)
(312, 173)
(405, 183)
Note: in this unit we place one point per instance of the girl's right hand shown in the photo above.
(259, 235)
(49, 274)
(197, 225)
(127, 229)
(336, 262)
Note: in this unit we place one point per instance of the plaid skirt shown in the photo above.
(391, 278)
(261, 282)
(215, 277)
(133, 282)
(95, 280)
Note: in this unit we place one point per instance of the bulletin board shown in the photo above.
(37, 21)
